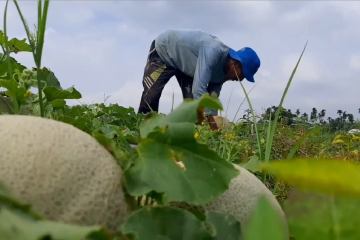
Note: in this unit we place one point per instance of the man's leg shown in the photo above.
(156, 76)
(185, 83)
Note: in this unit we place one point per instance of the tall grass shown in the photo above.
(243, 102)
(272, 125)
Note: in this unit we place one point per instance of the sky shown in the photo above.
(100, 48)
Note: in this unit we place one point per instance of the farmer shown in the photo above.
(200, 62)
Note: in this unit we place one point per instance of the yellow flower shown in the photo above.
(229, 136)
(196, 135)
(28, 93)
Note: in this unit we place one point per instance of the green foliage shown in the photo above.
(4, 68)
(174, 223)
(15, 45)
(170, 163)
(315, 215)
(168, 146)
(20, 222)
(164, 223)
(16, 92)
(265, 223)
(313, 174)
(224, 226)
(253, 165)
(19, 227)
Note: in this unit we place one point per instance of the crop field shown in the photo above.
(275, 176)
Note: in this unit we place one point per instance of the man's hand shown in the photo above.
(212, 123)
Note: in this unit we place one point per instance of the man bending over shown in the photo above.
(200, 62)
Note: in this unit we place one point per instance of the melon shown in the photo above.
(222, 122)
(240, 199)
(63, 172)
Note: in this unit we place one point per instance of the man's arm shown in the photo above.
(208, 58)
(216, 88)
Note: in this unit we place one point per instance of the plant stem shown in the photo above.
(38, 46)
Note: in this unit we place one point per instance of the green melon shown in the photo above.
(63, 172)
(240, 199)
(222, 122)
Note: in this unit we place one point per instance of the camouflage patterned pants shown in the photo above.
(156, 75)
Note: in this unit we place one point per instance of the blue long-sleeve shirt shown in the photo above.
(197, 54)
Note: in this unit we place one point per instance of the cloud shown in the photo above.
(308, 69)
(83, 15)
(355, 62)
(101, 48)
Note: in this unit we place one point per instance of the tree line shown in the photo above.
(344, 121)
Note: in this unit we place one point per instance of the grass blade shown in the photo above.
(269, 143)
(268, 134)
(254, 119)
(228, 103)
(243, 102)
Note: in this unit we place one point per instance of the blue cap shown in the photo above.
(249, 60)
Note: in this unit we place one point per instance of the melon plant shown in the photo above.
(63, 172)
(68, 177)
(190, 182)
(240, 199)
(7, 107)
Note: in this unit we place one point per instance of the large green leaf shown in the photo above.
(3, 39)
(58, 103)
(152, 121)
(331, 176)
(174, 163)
(15, 45)
(19, 222)
(164, 223)
(16, 92)
(313, 216)
(265, 223)
(50, 79)
(253, 164)
(108, 144)
(4, 191)
(226, 226)
(190, 111)
(80, 122)
(8, 200)
(52, 93)
(4, 67)
(15, 226)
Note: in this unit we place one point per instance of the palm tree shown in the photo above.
(339, 112)
(313, 115)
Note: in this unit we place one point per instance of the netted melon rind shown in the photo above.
(222, 122)
(63, 172)
(240, 199)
